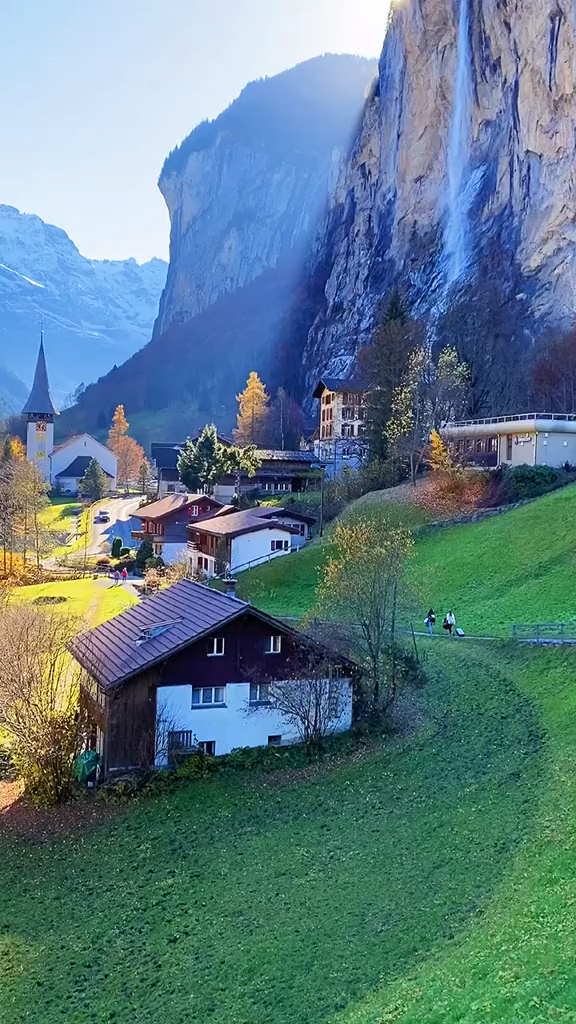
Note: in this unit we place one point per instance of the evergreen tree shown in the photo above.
(383, 364)
(201, 463)
(94, 484)
(143, 555)
(252, 411)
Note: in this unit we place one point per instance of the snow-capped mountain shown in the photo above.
(95, 313)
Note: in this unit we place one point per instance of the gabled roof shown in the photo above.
(161, 626)
(236, 524)
(78, 437)
(271, 512)
(152, 630)
(333, 384)
(276, 455)
(40, 399)
(173, 503)
(79, 467)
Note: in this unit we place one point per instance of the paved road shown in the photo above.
(121, 525)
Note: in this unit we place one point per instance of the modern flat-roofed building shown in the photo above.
(533, 439)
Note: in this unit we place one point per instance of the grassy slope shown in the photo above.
(431, 883)
(518, 567)
(92, 601)
(229, 902)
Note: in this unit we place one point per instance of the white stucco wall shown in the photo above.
(232, 725)
(257, 547)
(84, 446)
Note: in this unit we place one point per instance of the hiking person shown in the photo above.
(116, 577)
(430, 621)
(449, 622)
(124, 574)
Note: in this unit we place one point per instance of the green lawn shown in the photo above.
(92, 601)
(432, 881)
(228, 901)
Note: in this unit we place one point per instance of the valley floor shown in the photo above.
(430, 881)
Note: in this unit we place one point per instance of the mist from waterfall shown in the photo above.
(456, 229)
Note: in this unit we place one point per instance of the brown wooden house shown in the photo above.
(164, 523)
(188, 668)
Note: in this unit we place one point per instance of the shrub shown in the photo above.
(116, 547)
(125, 552)
(518, 483)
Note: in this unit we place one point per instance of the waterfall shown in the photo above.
(456, 229)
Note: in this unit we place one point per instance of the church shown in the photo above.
(64, 465)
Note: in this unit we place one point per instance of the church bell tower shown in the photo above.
(40, 412)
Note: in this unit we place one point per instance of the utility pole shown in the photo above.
(322, 501)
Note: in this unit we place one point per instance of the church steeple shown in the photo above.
(40, 404)
(40, 411)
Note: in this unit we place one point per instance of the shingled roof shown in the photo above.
(333, 384)
(151, 631)
(172, 503)
(164, 624)
(237, 523)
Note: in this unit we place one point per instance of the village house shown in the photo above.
(165, 522)
(64, 465)
(192, 668)
(279, 472)
(339, 440)
(534, 439)
(241, 540)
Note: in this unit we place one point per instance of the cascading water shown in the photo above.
(456, 229)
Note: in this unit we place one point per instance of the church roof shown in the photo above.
(40, 401)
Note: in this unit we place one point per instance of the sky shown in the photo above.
(94, 95)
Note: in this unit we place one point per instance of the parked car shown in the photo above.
(103, 516)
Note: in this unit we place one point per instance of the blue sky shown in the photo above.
(93, 95)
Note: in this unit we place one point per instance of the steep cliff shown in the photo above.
(246, 194)
(461, 186)
(95, 312)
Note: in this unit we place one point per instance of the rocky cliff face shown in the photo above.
(95, 312)
(246, 194)
(462, 180)
(246, 191)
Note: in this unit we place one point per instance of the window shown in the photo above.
(273, 645)
(259, 693)
(279, 545)
(171, 488)
(208, 747)
(509, 443)
(274, 741)
(194, 510)
(216, 647)
(208, 696)
(203, 563)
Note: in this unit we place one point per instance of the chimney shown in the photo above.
(230, 588)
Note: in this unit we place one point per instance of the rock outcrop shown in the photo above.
(96, 312)
(462, 179)
(245, 192)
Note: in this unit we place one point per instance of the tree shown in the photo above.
(553, 375)
(118, 428)
(313, 698)
(360, 586)
(94, 484)
(13, 449)
(130, 456)
(144, 555)
(383, 365)
(30, 498)
(451, 488)
(116, 547)
(201, 463)
(39, 688)
(252, 411)
(284, 423)
(429, 395)
(144, 475)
